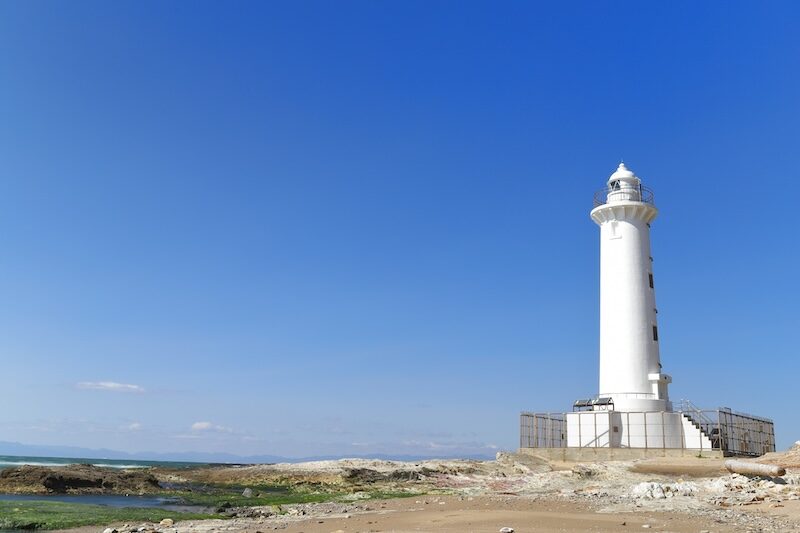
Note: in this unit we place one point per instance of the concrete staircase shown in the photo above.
(694, 436)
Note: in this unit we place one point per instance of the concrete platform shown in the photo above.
(615, 454)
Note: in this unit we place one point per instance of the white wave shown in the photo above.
(31, 463)
(118, 466)
(5, 464)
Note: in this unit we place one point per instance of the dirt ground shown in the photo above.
(482, 514)
(488, 515)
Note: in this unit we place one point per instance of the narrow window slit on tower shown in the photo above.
(650, 276)
(655, 333)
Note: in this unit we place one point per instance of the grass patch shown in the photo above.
(217, 495)
(59, 515)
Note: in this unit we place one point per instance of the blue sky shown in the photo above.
(362, 227)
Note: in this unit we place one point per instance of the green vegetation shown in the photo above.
(389, 495)
(59, 515)
(217, 495)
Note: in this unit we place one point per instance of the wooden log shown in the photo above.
(754, 469)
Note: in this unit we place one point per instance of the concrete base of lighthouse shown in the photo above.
(615, 454)
(616, 429)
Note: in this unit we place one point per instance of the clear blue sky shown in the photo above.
(360, 227)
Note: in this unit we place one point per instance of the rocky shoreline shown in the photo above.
(692, 487)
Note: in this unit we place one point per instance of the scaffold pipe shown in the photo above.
(754, 469)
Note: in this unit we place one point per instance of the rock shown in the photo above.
(247, 493)
(167, 522)
(506, 530)
(647, 526)
(369, 475)
(658, 491)
(583, 471)
(83, 479)
(109, 530)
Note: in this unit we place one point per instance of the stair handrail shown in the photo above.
(687, 406)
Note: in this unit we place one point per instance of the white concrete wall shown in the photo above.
(651, 430)
(588, 429)
(614, 429)
(693, 437)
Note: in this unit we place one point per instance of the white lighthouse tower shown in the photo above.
(632, 416)
(630, 367)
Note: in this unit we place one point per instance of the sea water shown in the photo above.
(8, 461)
(112, 500)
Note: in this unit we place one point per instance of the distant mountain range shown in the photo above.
(33, 450)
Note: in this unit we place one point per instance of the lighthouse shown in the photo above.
(632, 416)
(630, 366)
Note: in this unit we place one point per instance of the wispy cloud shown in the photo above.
(209, 431)
(134, 426)
(456, 447)
(208, 426)
(112, 386)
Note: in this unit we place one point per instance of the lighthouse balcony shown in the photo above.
(610, 195)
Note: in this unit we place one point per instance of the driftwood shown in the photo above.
(754, 469)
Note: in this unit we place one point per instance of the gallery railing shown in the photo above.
(629, 194)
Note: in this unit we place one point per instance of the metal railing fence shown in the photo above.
(631, 194)
(733, 433)
(542, 430)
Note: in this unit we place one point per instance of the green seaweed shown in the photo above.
(219, 495)
(36, 514)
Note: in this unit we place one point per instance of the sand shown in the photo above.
(483, 514)
(489, 514)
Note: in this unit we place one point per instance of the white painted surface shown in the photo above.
(659, 429)
(588, 429)
(693, 437)
(630, 370)
(616, 429)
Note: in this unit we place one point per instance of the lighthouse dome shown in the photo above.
(624, 175)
